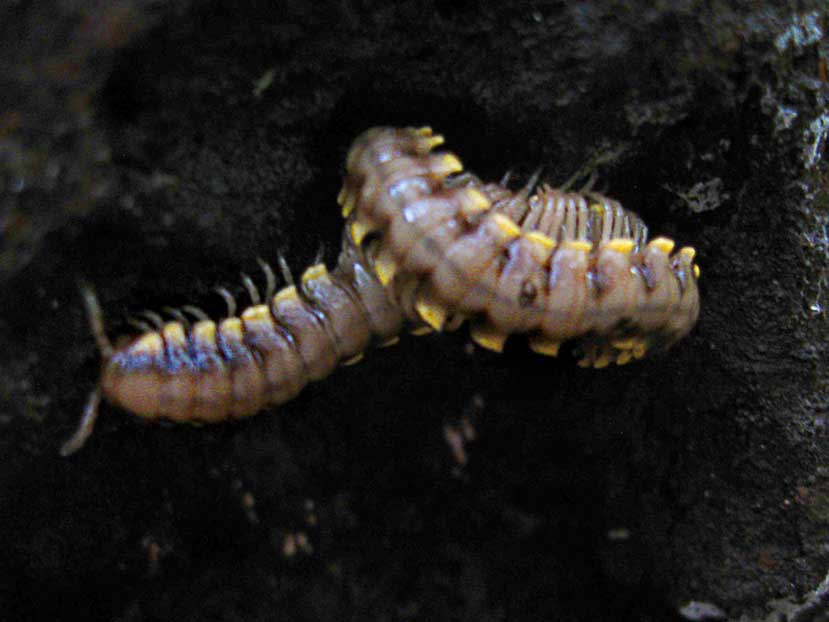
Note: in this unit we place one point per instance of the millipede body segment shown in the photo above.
(553, 265)
(428, 247)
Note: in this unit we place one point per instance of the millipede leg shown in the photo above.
(251, 288)
(588, 169)
(195, 312)
(285, 269)
(270, 279)
(140, 325)
(176, 314)
(229, 300)
(463, 179)
(85, 427)
(320, 254)
(96, 320)
(156, 320)
(588, 185)
(531, 183)
(454, 322)
(572, 180)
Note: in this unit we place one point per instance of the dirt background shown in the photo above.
(156, 149)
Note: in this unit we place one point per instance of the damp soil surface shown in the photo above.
(155, 150)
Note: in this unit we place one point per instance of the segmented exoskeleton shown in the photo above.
(212, 371)
(423, 246)
(554, 265)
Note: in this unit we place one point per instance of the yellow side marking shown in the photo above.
(577, 245)
(447, 164)
(434, 315)
(624, 344)
(696, 271)
(624, 358)
(688, 252)
(419, 331)
(639, 350)
(256, 313)
(505, 224)
(539, 238)
(435, 141)
(423, 131)
(488, 338)
(231, 326)
(286, 293)
(476, 202)
(385, 268)
(544, 345)
(174, 332)
(358, 231)
(204, 331)
(666, 245)
(317, 271)
(354, 359)
(348, 201)
(391, 341)
(620, 245)
(151, 343)
(602, 362)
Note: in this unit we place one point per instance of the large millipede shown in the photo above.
(428, 247)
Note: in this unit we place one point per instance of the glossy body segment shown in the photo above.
(134, 373)
(567, 296)
(309, 333)
(522, 279)
(469, 290)
(348, 321)
(282, 366)
(243, 364)
(558, 266)
(384, 317)
(213, 389)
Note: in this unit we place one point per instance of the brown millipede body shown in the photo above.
(427, 246)
(553, 265)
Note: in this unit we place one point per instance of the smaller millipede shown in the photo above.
(212, 371)
(425, 247)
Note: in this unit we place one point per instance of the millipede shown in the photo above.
(426, 247)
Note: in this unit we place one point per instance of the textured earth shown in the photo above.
(156, 150)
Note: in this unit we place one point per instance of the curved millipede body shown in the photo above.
(423, 245)
(553, 265)
(212, 371)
